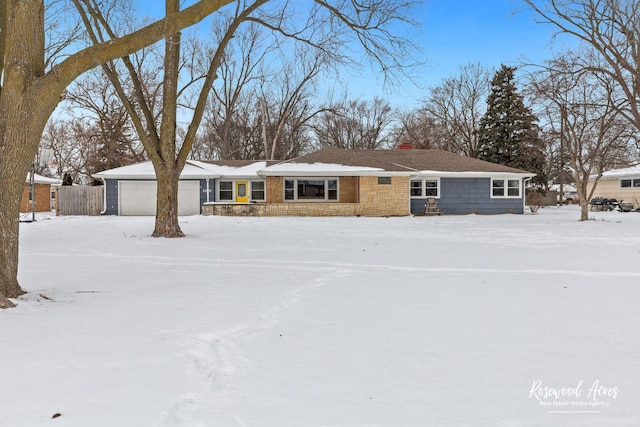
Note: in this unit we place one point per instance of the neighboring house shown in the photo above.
(42, 194)
(620, 184)
(569, 191)
(330, 182)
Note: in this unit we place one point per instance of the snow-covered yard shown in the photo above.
(509, 320)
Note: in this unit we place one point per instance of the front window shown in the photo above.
(316, 189)
(416, 188)
(505, 188)
(629, 183)
(427, 187)
(332, 185)
(430, 188)
(513, 187)
(257, 190)
(226, 190)
(310, 189)
(289, 189)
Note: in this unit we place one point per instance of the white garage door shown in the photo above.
(139, 197)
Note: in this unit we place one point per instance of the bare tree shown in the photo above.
(100, 121)
(584, 112)
(231, 135)
(231, 119)
(84, 146)
(70, 145)
(286, 105)
(30, 90)
(418, 128)
(354, 124)
(457, 104)
(260, 110)
(611, 30)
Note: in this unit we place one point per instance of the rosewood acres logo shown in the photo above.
(577, 399)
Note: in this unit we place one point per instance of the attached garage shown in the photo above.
(132, 190)
(139, 197)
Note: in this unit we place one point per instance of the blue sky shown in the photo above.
(456, 32)
(453, 33)
(492, 32)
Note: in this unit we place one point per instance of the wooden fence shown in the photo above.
(80, 200)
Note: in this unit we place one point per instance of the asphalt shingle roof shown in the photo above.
(405, 160)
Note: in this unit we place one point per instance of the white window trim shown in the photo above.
(319, 178)
(264, 190)
(627, 179)
(423, 190)
(506, 188)
(233, 190)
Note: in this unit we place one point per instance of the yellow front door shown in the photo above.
(242, 192)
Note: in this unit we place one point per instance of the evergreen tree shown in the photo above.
(508, 133)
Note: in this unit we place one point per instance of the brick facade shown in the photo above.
(42, 196)
(384, 199)
(358, 196)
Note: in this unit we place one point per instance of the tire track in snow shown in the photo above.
(216, 358)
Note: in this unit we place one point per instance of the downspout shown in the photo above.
(104, 196)
(524, 192)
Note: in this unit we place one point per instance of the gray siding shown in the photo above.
(111, 192)
(203, 191)
(462, 196)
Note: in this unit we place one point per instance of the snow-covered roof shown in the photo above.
(315, 169)
(224, 170)
(39, 179)
(567, 188)
(622, 172)
(193, 169)
(144, 170)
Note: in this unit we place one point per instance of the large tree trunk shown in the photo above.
(167, 201)
(9, 228)
(21, 125)
(23, 116)
(14, 166)
(169, 169)
(584, 209)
